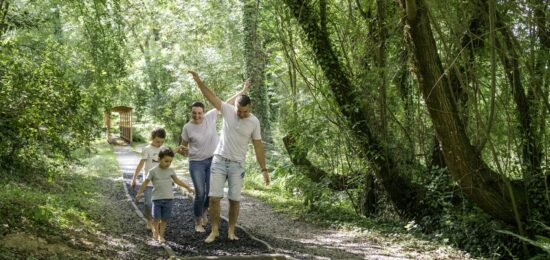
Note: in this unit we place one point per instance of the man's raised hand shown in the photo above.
(246, 87)
(195, 75)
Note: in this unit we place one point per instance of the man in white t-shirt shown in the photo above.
(199, 139)
(238, 128)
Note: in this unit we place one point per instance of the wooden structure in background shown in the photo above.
(125, 123)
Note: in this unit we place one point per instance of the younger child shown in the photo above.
(162, 178)
(149, 158)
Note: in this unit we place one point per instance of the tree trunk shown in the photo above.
(405, 195)
(255, 66)
(525, 104)
(491, 192)
(4, 7)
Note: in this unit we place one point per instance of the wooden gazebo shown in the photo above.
(125, 123)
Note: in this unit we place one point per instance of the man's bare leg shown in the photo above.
(204, 219)
(215, 217)
(234, 208)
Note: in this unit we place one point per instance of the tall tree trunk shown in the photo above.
(491, 192)
(380, 38)
(531, 152)
(404, 194)
(538, 101)
(525, 103)
(255, 66)
(4, 7)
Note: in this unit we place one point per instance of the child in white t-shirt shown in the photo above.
(149, 159)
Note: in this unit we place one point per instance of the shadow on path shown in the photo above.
(180, 234)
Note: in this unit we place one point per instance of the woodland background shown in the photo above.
(434, 112)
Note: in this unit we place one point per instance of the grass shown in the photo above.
(54, 210)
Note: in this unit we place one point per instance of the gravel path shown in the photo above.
(287, 237)
(180, 234)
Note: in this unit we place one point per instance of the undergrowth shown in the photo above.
(55, 207)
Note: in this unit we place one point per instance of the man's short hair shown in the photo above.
(198, 104)
(165, 151)
(243, 100)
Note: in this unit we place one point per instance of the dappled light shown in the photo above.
(297, 129)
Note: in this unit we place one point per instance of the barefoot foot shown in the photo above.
(211, 237)
(232, 237)
(199, 228)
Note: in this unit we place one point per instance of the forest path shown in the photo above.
(287, 236)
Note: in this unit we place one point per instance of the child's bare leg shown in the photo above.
(156, 229)
(148, 217)
(234, 208)
(215, 215)
(162, 231)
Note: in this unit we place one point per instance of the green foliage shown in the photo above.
(457, 221)
(196, 35)
(62, 63)
(57, 70)
(541, 242)
(138, 135)
(56, 206)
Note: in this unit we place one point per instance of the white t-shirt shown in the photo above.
(202, 138)
(236, 133)
(151, 156)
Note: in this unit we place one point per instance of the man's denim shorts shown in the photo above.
(223, 169)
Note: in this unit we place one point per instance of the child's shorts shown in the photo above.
(148, 197)
(162, 209)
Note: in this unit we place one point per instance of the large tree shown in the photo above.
(406, 195)
(451, 103)
(255, 61)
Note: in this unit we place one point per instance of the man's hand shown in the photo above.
(246, 87)
(138, 196)
(267, 179)
(195, 76)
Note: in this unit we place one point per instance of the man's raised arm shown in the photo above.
(244, 91)
(208, 94)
